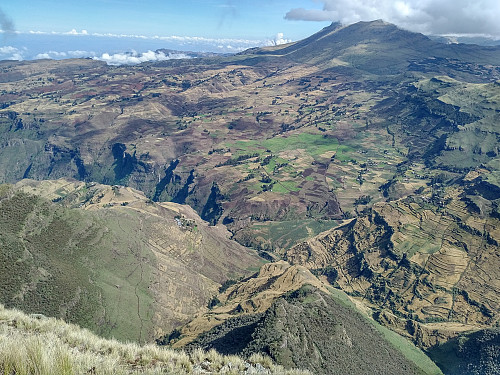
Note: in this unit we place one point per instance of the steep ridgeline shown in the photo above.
(277, 143)
(280, 313)
(376, 47)
(110, 260)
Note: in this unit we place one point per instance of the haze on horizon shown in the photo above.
(126, 31)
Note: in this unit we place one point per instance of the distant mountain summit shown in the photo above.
(376, 47)
(366, 45)
(337, 36)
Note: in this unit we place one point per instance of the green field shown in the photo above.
(285, 234)
(314, 144)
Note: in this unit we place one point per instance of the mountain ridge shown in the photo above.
(381, 40)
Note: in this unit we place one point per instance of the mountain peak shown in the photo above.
(373, 46)
(338, 25)
(379, 21)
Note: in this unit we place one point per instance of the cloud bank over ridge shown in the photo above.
(223, 44)
(118, 49)
(133, 58)
(11, 53)
(461, 17)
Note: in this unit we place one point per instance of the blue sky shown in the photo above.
(256, 19)
(123, 30)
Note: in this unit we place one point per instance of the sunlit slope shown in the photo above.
(286, 312)
(376, 47)
(109, 259)
(39, 345)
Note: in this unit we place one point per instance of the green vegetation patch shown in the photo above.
(410, 351)
(73, 264)
(285, 234)
(314, 144)
(285, 187)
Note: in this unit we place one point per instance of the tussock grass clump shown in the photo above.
(45, 346)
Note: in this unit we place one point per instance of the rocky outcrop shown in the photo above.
(422, 264)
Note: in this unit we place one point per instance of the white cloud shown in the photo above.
(426, 16)
(51, 55)
(7, 50)
(63, 55)
(11, 53)
(73, 32)
(79, 53)
(238, 44)
(38, 32)
(280, 39)
(133, 57)
(127, 58)
(41, 56)
(222, 45)
(244, 43)
(17, 57)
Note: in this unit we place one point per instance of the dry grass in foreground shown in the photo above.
(39, 345)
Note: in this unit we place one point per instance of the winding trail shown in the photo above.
(139, 301)
(138, 256)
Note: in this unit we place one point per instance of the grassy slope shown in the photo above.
(46, 346)
(401, 344)
(119, 269)
(67, 263)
